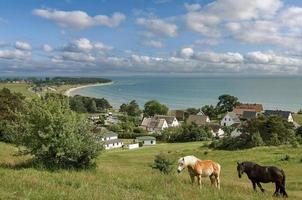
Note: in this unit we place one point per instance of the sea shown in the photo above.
(194, 90)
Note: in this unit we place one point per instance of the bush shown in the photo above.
(57, 136)
(163, 163)
(285, 158)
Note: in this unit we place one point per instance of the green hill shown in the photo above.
(126, 174)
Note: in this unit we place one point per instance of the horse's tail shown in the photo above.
(283, 178)
(283, 184)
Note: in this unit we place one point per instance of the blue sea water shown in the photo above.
(183, 91)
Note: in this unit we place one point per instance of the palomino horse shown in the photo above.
(263, 174)
(200, 168)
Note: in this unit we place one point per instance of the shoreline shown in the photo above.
(69, 91)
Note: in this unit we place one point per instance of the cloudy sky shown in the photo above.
(77, 37)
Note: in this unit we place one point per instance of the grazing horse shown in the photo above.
(200, 168)
(263, 174)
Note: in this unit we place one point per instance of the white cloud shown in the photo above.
(209, 42)
(101, 46)
(192, 7)
(22, 46)
(79, 19)
(229, 57)
(47, 48)
(244, 9)
(186, 52)
(158, 26)
(73, 56)
(14, 54)
(154, 43)
(79, 45)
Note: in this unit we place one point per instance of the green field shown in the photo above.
(298, 118)
(126, 174)
(21, 87)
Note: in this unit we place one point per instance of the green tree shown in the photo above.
(57, 136)
(11, 104)
(256, 140)
(227, 103)
(91, 107)
(210, 111)
(132, 109)
(153, 107)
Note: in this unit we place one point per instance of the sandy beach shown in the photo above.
(69, 91)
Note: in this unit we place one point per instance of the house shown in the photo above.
(171, 120)
(229, 119)
(248, 115)
(111, 120)
(132, 146)
(152, 124)
(216, 130)
(287, 115)
(238, 110)
(94, 117)
(200, 120)
(179, 114)
(146, 140)
(111, 141)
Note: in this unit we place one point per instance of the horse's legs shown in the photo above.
(213, 180)
(277, 189)
(282, 191)
(254, 185)
(192, 178)
(199, 180)
(218, 181)
(260, 186)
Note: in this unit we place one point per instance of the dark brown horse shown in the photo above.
(263, 174)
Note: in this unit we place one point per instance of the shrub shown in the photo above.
(285, 158)
(57, 136)
(163, 163)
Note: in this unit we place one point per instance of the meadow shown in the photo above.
(20, 87)
(127, 174)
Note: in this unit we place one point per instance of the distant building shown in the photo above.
(111, 141)
(146, 140)
(216, 130)
(238, 110)
(287, 115)
(152, 124)
(230, 119)
(179, 114)
(249, 115)
(200, 120)
(111, 120)
(94, 117)
(171, 120)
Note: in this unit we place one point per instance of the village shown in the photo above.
(151, 127)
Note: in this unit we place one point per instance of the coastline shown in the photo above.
(69, 91)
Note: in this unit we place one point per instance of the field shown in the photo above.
(126, 174)
(21, 87)
(298, 118)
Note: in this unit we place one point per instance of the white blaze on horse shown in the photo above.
(200, 168)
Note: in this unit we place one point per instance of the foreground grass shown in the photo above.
(126, 174)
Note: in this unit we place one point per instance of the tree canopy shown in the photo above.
(153, 107)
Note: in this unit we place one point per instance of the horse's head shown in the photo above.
(181, 164)
(240, 169)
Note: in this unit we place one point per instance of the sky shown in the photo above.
(95, 37)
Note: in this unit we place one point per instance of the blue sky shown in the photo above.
(77, 37)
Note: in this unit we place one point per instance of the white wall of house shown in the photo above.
(227, 120)
(175, 123)
(290, 118)
(109, 138)
(165, 125)
(149, 142)
(114, 145)
(133, 146)
(219, 133)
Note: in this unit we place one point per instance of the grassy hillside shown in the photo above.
(298, 118)
(22, 88)
(126, 174)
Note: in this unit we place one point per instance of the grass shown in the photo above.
(126, 174)
(20, 87)
(298, 118)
